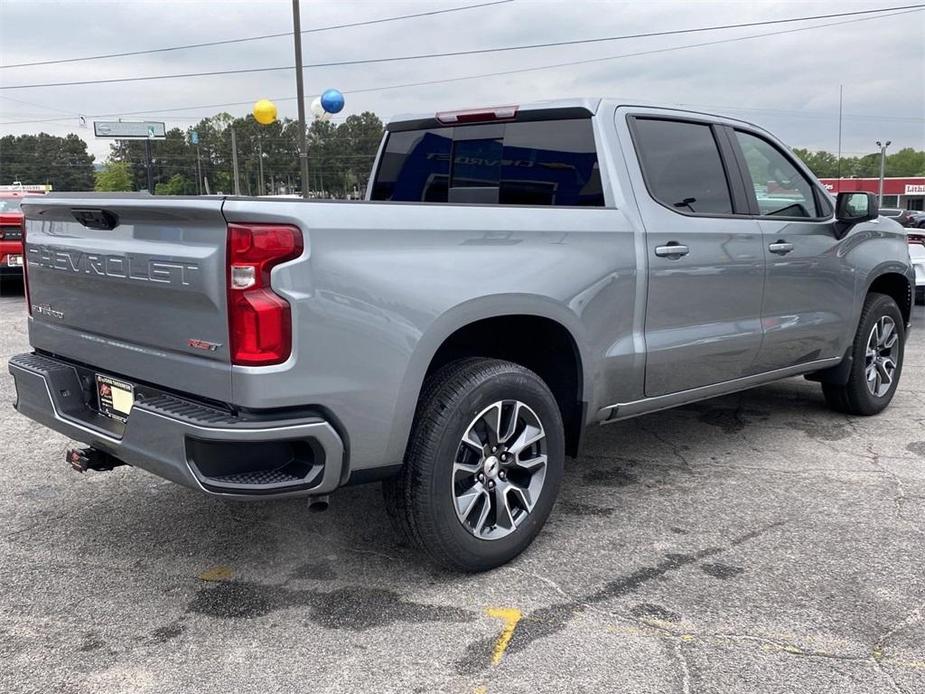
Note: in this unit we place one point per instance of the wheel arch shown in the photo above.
(456, 332)
(893, 281)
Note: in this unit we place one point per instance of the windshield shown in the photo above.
(10, 204)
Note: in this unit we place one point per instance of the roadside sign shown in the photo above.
(27, 188)
(130, 130)
(194, 137)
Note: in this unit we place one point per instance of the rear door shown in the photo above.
(809, 298)
(134, 286)
(705, 261)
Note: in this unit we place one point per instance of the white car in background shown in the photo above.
(917, 255)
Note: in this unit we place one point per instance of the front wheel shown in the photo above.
(877, 360)
(483, 466)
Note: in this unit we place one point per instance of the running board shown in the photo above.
(625, 410)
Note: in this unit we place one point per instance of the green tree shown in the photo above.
(169, 157)
(340, 157)
(177, 185)
(905, 162)
(115, 176)
(823, 164)
(62, 162)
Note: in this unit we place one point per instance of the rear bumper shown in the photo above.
(186, 442)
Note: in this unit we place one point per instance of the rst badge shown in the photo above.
(203, 345)
(47, 310)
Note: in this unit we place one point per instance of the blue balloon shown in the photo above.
(332, 101)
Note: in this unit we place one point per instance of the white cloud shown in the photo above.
(788, 83)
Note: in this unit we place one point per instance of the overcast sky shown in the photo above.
(788, 83)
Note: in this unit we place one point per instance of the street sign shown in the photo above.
(130, 130)
(194, 137)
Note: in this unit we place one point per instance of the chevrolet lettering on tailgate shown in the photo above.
(122, 266)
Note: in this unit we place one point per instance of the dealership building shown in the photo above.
(906, 193)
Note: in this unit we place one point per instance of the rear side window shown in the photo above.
(682, 165)
(551, 162)
(780, 188)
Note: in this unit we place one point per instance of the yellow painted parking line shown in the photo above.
(509, 617)
(217, 574)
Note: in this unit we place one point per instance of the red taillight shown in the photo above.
(477, 115)
(259, 322)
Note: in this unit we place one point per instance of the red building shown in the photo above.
(906, 193)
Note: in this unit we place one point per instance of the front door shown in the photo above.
(705, 263)
(810, 289)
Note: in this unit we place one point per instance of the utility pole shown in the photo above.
(263, 190)
(149, 168)
(198, 171)
(300, 95)
(234, 162)
(841, 89)
(882, 167)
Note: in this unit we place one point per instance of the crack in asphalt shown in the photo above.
(549, 620)
(899, 500)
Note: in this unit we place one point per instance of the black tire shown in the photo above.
(420, 500)
(854, 397)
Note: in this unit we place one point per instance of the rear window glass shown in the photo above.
(682, 166)
(550, 162)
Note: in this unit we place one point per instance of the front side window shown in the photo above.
(549, 162)
(781, 189)
(682, 166)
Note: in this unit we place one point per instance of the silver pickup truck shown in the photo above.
(515, 275)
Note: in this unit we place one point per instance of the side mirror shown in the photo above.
(852, 208)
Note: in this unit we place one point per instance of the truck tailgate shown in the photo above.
(144, 299)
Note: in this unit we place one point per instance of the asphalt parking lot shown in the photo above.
(752, 543)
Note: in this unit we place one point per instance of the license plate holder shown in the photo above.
(114, 397)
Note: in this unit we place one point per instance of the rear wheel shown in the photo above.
(877, 364)
(483, 466)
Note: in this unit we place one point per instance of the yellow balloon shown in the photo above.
(265, 112)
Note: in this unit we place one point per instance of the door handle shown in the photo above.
(780, 247)
(671, 250)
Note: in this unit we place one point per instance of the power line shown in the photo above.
(31, 103)
(521, 70)
(245, 39)
(367, 61)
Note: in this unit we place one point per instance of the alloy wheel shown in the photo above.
(882, 356)
(499, 469)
